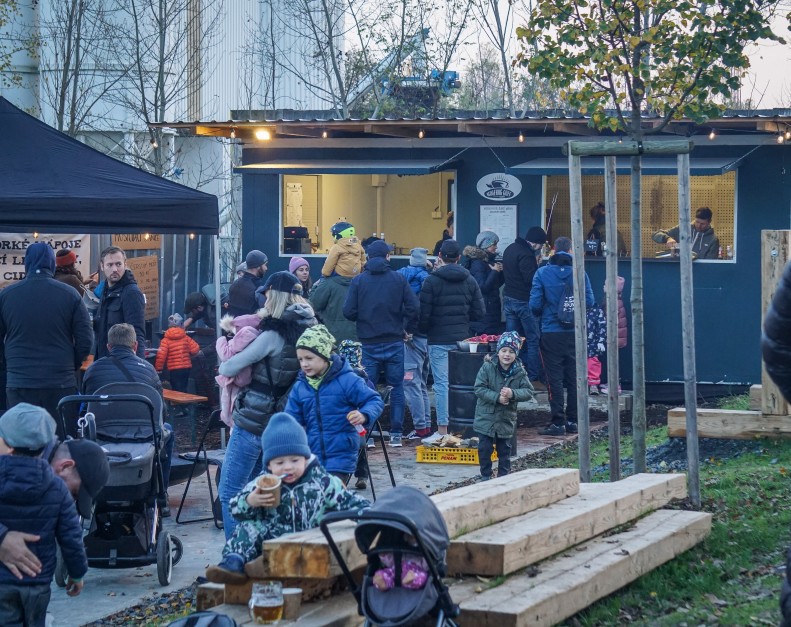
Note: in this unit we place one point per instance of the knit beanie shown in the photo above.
(296, 263)
(486, 239)
(352, 351)
(175, 320)
(536, 235)
(39, 256)
(317, 339)
(282, 282)
(510, 339)
(65, 257)
(418, 257)
(283, 436)
(255, 259)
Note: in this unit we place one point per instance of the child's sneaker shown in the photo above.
(361, 484)
(412, 435)
(395, 440)
(571, 427)
(434, 437)
(229, 570)
(593, 390)
(370, 443)
(553, 429)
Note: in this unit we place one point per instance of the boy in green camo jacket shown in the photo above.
(307, 493)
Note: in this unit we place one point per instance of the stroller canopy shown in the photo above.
(411, 504)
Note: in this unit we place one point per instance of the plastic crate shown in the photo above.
(448, 455)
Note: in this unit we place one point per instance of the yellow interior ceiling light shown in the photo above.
(264, 134)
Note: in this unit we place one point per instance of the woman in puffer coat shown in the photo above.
(273, 356)
(488, 274)
(330, 400)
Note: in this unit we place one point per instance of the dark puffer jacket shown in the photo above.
(34, 500)
(123, 302)
(450, 298)
(332, 438)
(519, 266)
(489, 281)
(275, 347)
(106, 370)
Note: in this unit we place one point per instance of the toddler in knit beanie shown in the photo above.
(418, 257)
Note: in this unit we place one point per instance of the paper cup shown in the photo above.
(473, 347)
(271, 484)
(292, 601)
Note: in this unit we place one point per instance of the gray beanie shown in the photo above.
(486, 239)
(283, 436)
(418, 257)
(255, 259)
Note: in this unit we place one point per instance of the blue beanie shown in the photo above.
(39, 256)
(283, 436)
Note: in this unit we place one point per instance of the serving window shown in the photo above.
(408, 211)
(659, 207)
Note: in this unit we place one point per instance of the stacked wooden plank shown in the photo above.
(501, 527)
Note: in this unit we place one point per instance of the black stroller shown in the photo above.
(126, 528)
(384, 528)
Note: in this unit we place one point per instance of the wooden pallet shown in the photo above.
(729, 424)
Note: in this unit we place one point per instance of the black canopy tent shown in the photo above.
(51, 182)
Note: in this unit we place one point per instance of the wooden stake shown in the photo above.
(611, 256)
(688, 330)
(580, 321)
(638, 327)
(634, 148)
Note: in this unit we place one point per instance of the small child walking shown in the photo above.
(308, 492)
(244, 330)
(175, 353)
(329, 400)
(33, 500)
(597, 346)
(346, 256)
(501, 383)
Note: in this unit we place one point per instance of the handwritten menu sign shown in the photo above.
(146, 271)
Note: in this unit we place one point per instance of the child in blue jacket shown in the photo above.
(329, 400)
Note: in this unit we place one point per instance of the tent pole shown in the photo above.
(217, 296)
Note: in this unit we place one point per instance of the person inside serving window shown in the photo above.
(705, 244)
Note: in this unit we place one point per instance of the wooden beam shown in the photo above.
(614, 148)
(508, 546)
(487, 129)
(775, 253)
(307, 555)
(340, 611)
(237, 594)
(392, 130)
(573, 129)
(756, 397)
(729, 424)
(575, 580)
(769, 127)
(299, 131)
(209, 595)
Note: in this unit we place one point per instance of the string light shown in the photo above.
(264, 134)
(233, 133)
(154, 143)
(712, 135)
(521, 137)
(620, 139)
(324, 134)
(35, 235)
(788, 134)
(780, 138)
(192, 235)
(421, 134)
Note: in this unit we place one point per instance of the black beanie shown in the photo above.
(536, 235)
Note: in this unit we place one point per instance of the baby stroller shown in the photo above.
(126, 528)
(389, 527)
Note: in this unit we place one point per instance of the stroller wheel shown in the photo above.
(177, 548)
(164, 558)
(61, 574)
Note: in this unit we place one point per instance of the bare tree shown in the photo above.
(496, 21)
(15, 37)
(484, 85)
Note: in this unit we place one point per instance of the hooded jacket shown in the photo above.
(492, 418)
(241, 295)
(705, 245)
(273, 352)
(34, 500)
(414, 275)
(490, 282)
(346, 257)
(45, 329)
(548, 285)
(382, 303)
(450, 298)
(302, 504)
(123, 302)
(176, 350)
(519, 266)
(327, 298)
(322, 412)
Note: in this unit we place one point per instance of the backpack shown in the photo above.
(566, 306)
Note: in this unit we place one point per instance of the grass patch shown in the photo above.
(740, 403)
(734, 576)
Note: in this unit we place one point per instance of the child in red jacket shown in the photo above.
(175, 352)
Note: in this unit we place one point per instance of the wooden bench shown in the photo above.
(183, 398)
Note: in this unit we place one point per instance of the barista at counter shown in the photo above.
(705, 244)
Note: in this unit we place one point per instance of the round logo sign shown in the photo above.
(499, 187)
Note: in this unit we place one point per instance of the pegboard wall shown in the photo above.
(659, 205)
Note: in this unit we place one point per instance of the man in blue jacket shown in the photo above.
(45, 333)
(385, 309)
(557, 340)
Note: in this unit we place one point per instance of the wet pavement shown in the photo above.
(109, 591)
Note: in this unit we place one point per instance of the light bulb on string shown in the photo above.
(233, 133)
(324, 134)
(712, 135)
(421, 134)
(154, 143)
(521, 137)
(780, 138)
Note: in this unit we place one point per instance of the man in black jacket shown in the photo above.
(385, 309)
(45, 332)
(241, 294)
(122, 301)
(449, 299)
(519, 266)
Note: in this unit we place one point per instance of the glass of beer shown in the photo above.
(266, 603)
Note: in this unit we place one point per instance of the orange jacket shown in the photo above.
(175, 350)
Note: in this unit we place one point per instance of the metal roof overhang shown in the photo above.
(385, 166)
(702, 166)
